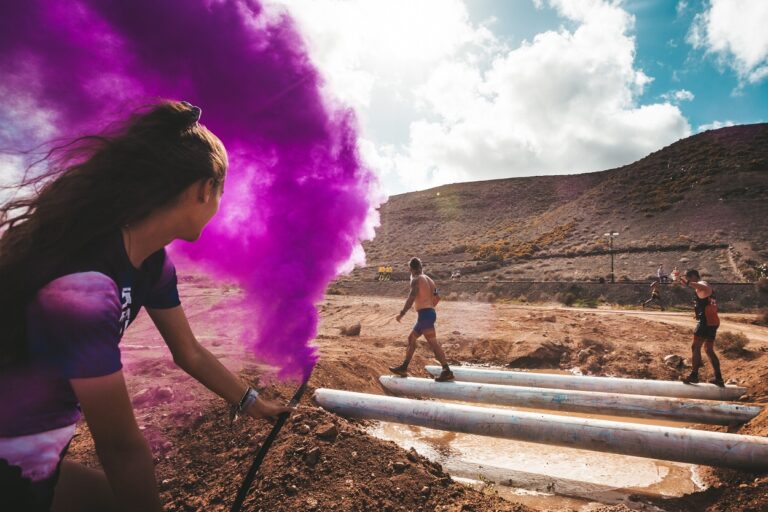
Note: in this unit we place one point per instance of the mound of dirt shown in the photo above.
(548, 355)
(319, 462)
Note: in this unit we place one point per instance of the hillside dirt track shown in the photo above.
(201, 459)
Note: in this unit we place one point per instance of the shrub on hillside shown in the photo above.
(566, 298)
(762, 317)
(762, 284)
(732, 343)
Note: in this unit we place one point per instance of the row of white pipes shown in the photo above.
(590, 402)
(603, 384)
(603, 395)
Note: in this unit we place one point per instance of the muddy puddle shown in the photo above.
(542, 476)
(548, 477)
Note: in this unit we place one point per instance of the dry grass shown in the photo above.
(733, 343)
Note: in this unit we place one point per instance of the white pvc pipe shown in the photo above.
(637, 406)
(652, 441)
(604, 384)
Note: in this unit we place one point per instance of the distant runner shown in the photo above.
(423, 298)
(655, 296)
(706, 329)
(663, 278)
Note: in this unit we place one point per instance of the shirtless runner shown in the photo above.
(423, 298)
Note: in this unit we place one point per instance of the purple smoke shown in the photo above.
(297, 200)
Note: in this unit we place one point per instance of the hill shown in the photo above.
(701, 202)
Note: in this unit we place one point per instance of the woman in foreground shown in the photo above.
(78, 260)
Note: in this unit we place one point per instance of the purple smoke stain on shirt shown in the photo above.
(298, 199)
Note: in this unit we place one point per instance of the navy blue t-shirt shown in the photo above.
(74, 326)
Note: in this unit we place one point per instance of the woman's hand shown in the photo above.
(266, 409)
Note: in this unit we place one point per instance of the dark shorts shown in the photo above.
(705, 331)
(426, 320)
(21, 494)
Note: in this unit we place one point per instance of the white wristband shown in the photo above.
(249, 397)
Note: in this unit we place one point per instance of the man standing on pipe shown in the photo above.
(706, 329)
(423, 298)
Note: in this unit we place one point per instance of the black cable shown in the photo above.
(245, 487)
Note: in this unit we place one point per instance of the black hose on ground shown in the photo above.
(245, 487)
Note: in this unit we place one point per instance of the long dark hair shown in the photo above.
(89, 188)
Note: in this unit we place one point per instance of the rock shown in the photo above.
(311, 503)
(425, 491)
(163, 394)
(351, 330)
(673, 361)
(304, 429)
(312, 457)
(412, 455)
(291, 490)
(399, 466)
(327, 432)
(584, 354)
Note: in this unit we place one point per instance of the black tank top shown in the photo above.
(706, 311)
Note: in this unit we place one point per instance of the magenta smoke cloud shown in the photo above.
(297, 200)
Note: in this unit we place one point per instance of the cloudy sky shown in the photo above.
(452, 90)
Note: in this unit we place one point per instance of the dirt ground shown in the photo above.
(324, 462)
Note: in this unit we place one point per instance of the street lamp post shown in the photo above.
(610, 236)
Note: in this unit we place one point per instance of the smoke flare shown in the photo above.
(298, 199)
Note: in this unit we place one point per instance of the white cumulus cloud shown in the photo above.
(678, 96)
(442, 100)
(714, 125)
(735, 32)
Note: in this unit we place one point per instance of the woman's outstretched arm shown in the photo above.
(198, 362)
